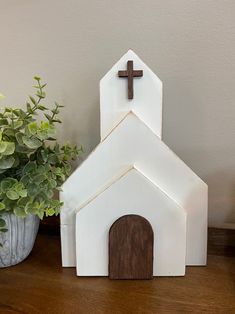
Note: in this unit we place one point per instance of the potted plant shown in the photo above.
(32, 166)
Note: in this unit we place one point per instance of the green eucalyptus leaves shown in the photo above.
(32, 164)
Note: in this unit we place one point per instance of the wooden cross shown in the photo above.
(130, 74)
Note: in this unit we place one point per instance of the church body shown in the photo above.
(133, 172)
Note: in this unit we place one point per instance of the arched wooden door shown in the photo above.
(131, 248)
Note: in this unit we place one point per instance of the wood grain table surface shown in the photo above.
(41, 285)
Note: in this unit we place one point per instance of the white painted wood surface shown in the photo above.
(147, 101)
(68, 244)
(131, 137)
(158, 163)
(132, 193)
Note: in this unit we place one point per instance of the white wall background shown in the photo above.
(189, 44)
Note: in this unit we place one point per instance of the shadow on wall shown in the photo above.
(219, 178)
(221, 199)
(81, 116)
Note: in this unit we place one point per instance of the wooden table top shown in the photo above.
(41, 285)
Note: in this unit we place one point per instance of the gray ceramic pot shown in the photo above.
(19, 240)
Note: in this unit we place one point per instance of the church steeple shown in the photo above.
(146, 103)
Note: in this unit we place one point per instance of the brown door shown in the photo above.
(131, 248)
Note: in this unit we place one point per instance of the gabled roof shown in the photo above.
(147, 101)
(129, 170)
(114, 155)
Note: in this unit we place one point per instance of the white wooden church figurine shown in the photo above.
(133, 183)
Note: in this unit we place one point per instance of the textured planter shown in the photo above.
(19, 240)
